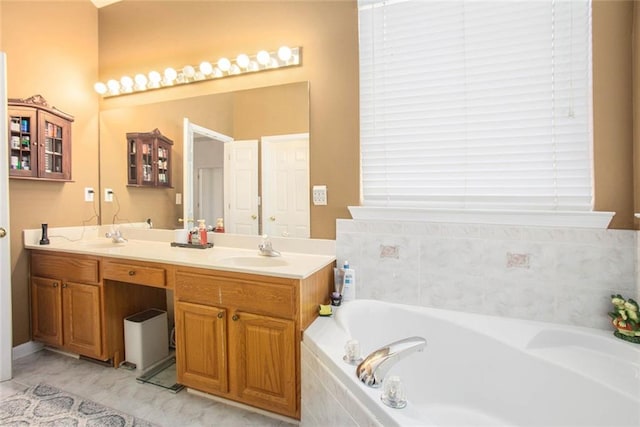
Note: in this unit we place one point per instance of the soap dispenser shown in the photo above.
(202, 231)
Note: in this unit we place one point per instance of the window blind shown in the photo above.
(476, 104)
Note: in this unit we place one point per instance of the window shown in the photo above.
(482, 105)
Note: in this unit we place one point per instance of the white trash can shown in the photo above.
(146, 339)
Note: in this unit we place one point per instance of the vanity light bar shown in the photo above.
(224, 67)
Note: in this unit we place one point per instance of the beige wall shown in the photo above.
(612, 110)
(60, 61)
(52, 51)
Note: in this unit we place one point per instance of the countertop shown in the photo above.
(155, 246)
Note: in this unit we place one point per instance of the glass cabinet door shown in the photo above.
(23, 151)
(55, 156)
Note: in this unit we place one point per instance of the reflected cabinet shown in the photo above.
(39, 140)
(149, 159)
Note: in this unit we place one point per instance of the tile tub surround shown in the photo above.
(562, 275)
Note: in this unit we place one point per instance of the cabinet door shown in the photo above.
(265, 361)
(201, 350)
(82, 319)
(23, 147)
(46, 310)
(163, 164)
(54, 138)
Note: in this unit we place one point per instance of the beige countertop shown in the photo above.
(155, 246)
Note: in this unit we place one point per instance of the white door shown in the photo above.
(6, 330)
(241, 187)
(191, 132)
(285, 185)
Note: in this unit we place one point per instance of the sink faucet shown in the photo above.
(375, 366)
(116, 236)
(265, 247)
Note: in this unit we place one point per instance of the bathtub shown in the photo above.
(475, 370)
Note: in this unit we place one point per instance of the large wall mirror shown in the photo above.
(244, 117)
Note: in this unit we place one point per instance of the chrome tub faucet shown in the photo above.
(375, 366)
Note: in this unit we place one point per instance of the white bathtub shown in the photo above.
(475, 370)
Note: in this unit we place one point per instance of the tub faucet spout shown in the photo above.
(375, 366)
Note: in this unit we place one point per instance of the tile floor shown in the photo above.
(118, 389)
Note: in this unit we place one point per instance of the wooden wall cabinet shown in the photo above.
(39, 140)
(149, 159)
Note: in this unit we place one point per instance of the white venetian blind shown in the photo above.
(476, 104)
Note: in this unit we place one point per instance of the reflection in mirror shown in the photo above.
(245, 116)
(203, 169)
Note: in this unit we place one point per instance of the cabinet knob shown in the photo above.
(64, 286)
(235, 317)
(55, 284)
(220, 314)
(132, 273)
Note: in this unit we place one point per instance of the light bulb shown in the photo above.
(217, 72)
(141, 81)
(234, 69)
(284, 53)
(100, 87)
(170, 74)
(189, 71)
(263, 57)
(274, 63)
(126, 82)
(224, 64)
(206, 68)
(243, 60)
(114, 86)
(154, 79)
(253, 66)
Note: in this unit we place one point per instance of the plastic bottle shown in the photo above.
(202, 231)
(349, 288)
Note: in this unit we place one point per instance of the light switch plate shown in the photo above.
(319, 195)
(108, 195)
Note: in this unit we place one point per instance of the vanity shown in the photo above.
(239, 317)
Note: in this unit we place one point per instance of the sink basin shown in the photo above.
(255, 261)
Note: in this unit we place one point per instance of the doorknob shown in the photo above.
(254, 216)
(272, 218)
(3, 232)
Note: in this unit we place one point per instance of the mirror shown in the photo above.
(243, 115)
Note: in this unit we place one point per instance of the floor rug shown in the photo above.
(44, 405)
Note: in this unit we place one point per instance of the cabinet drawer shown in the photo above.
(68, 267)
(274, 299)
(135, 273)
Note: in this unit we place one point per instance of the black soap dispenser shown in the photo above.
(44, 240)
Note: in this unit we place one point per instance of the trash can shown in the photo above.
(146, 338)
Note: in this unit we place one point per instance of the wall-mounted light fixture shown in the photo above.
(224, 67)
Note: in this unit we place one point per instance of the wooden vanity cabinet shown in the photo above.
(66, 299)
(238, 335)
(78, 302)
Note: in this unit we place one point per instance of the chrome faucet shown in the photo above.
(375, 366)
(116, 236)
(265, 247)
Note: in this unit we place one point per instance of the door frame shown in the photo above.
(6, 325)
